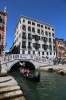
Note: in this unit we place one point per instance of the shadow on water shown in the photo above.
(52, 86)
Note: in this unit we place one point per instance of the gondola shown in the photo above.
(31, 77)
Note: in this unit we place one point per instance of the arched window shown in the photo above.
(0, 20)
(0, 37)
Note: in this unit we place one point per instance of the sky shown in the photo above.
(52, 12)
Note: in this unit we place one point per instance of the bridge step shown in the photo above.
(7, 81)
(19, 98)
(11, 94)
(9, 88)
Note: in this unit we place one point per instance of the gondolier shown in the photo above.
(22, 64)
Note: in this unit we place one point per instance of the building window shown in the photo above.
(0, 20)
(23, 20)
(50, 40)
(33, 23)
(33, 52)
(33, 36)
(47, 53)
(29, 22)
(23, 35)
(33, 29)
(53, 34)
(29, 45)
(46, 33)
(38, 31)
(50, 53)
(29, 28)
(23, 44)
(42, 53)
(23, 51)
(24, 27)
(49, 34)
(54, 53)
(0, 51)
(52, 29)
(0, 37)
(45, 39)
(41, 26)
(45, 27)
(29, 36)
(53, 40)
(48, 28)
(28, 52)
(39, 53)
(42, 32)
(38, 25)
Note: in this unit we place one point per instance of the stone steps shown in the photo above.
(11, 94)
(9, 89)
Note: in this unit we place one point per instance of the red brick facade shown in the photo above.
(60, 47)
(3, 18)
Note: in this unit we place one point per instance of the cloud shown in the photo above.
(6, 50)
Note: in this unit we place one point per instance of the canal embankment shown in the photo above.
(9, 88)
(59, 68)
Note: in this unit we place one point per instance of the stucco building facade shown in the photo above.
(34, 37)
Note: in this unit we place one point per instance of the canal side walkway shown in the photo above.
(9, 88)
(59, 68)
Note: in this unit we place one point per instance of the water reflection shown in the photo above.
(52, 86)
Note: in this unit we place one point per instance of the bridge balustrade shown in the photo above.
(12, 57)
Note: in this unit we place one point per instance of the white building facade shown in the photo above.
(35, 37)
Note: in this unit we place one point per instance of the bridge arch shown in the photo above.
(28, 64)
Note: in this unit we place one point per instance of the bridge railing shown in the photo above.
(15, 57)
(12, 57)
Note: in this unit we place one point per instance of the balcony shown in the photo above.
(29, 38)
(29, 47)
(24, 37)
(23, 46)
(61, 45)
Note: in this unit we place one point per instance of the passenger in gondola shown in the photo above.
(28, 71)
(25, 71)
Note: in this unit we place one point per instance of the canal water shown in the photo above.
(52, 86)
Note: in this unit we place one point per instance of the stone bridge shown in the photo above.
(11, 62)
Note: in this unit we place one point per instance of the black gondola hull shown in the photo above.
(31, 77)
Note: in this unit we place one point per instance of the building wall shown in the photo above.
(60, 47)
(47, 30)
(3, 18)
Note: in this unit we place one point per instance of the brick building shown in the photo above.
(3, 20)
(60, 47)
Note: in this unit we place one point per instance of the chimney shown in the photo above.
(5, 9)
